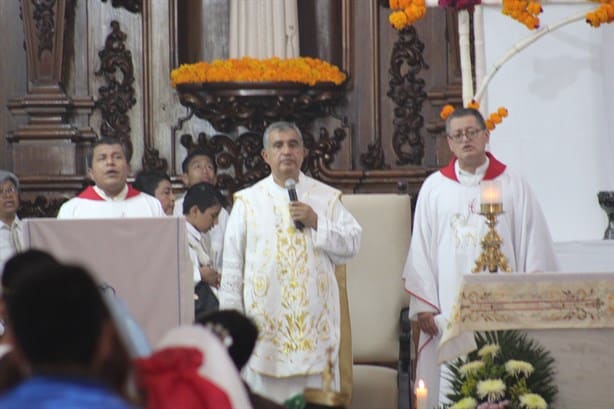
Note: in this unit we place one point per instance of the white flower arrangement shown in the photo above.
(507, 372)
(532, 401)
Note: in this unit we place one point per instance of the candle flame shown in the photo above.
(420, 384)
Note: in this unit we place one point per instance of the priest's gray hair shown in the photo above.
(280, 126)
(461, 112)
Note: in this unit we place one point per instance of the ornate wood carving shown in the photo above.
(40, 206)
(45, 24)
(152, 161)
(255, 106)
(407, 91)
(374, 157)
(117, 96)
(135, 6)
(323, 151)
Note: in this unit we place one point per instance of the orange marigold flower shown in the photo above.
(534, 8)
(495, 118)
(398, 19)
(489, 124)
(302, 70)
(394, 4)
(473, 104)
(446, 111)
(403, 4)
(502, 111)
(602, 15)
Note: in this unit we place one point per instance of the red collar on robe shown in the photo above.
(495, 168)
(90, 193)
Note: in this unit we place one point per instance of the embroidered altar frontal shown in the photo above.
(529, 301)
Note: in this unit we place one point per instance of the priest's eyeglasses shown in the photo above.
(470, 133)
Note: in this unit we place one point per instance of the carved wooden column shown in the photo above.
(47, 137)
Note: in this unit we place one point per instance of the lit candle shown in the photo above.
(490, 192)
(421, 394)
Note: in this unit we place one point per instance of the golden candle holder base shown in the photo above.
(491, 259)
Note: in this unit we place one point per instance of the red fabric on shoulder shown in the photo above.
(495, 168)
(171, 380)
(90, 193)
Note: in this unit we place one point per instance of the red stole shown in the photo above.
(495, 168)
(90, 194)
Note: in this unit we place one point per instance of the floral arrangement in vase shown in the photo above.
(508, 371)
(303, 70)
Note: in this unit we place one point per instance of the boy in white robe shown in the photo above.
(279, 268)
(448, 230)
(199, 166)
(201, 209)
(111, 196)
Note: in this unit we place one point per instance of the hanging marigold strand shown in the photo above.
(492, 120)
(406, 12)
(602, 15)
(523, 11)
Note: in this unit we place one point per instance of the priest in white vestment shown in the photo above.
(279, 269)
(448, 230)
(111, 196)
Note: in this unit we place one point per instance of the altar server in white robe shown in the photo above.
(448, 229)
(197, 167)
(111, 196)
(283, 276)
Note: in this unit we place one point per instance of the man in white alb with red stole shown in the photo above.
(448, 230)
(110, 197)
(279, 268)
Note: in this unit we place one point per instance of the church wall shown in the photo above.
(559, 134)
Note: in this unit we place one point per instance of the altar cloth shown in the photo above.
(569, 314)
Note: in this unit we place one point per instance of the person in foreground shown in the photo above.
(63, 335)
(111, 196)
(242, 334)
(448, 229)
(279, 268)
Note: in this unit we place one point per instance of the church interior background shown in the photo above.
(74, 70)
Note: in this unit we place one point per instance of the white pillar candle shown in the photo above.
(490, 192)
(421, 395)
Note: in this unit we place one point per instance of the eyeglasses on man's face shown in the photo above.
(470, 133)
(8, 191)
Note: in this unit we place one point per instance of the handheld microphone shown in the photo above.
(291, 186)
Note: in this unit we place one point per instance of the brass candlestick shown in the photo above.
(491, 258)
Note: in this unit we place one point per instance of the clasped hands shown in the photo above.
(302, 212)
(210, 276)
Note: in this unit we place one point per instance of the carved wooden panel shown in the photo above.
(117, 95)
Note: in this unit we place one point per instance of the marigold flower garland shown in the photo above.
(523, 11)
(406, 12)
(491, 122)
(603, 14)
(305, 70)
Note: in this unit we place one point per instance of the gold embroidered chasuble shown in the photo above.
(285, 278)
